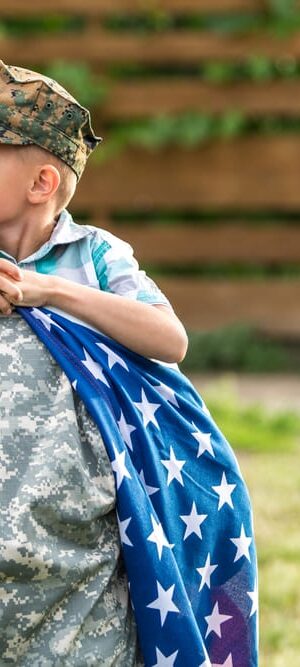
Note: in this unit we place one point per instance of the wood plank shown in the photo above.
(131, 99)
(223, 242)
(270, 305)
(101, 47)
(218, 174)
(102, 7)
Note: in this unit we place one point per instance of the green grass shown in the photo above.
(273, 480)
(240, 347)
(251, 428)
(267, 445)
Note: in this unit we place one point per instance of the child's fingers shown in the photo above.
(5, 306)
(10, 269)
(9, 290)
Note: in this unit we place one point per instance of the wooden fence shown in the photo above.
(233, 177)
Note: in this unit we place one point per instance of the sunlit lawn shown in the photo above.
(274, 484)
(268, 449)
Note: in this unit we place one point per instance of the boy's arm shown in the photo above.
(153, 331)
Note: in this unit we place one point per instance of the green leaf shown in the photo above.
(260, 68)
(231, 124)
(78, 78)
(218, 71)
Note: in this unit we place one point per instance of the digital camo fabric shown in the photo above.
(35, 109)
(174, 471)
(63, 591)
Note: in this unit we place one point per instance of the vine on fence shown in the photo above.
(280, 16)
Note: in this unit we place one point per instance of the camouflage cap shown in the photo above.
(35, 109)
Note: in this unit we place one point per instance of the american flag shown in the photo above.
(184, 512)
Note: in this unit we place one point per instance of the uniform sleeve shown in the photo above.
(118, 271)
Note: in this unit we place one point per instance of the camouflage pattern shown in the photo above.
(63, 590)
(35, 109)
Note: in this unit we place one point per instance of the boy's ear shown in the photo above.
(44, 184)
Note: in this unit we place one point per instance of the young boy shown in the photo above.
(63, 593)
(36, 184)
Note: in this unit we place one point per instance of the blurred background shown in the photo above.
(198, 102)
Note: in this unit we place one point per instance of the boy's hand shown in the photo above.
(35, 289)
(10, 292)
(20, 287)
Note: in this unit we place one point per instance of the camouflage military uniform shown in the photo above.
(63, 592)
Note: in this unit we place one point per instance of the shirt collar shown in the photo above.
(66, 231)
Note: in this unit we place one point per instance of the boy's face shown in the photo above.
(12, 183)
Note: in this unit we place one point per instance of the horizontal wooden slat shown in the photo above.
(250, 172)
(191, 244)
(186, 47)
(271, 306)
(130, 99)
(98, 7)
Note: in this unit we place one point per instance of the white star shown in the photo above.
(253, 595)
(224, 491)
(164, 603)
(150, 489)
(123, 525)
(119, 467)
(94, 368)
(158, 537)
(215, 620)
(167, 393)
(242, 544)
(45, 319)
(193, 522)
(228, 662)
(163, 660)
(206, 572)
(174, 467)
(113, 358)
(204, 442)
(126, 430)
(148, 410)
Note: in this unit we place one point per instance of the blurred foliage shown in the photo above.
(251, 428)
(188, 130)
(255, 68)
(234, 270)
(206, 216)
(29, 25)
(162, 21)
(239, 347)
(79, 80)
(280, 16)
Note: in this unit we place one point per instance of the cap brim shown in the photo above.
(11, 137)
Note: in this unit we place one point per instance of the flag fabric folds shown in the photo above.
(184, 512)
